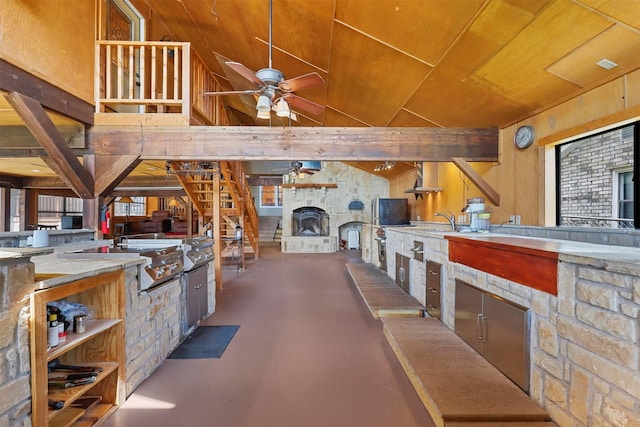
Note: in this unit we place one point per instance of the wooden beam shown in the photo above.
(14, 79)
(141, 192)
(111, 170)
(60, 157)
(19, 137)
(309, 185)
(478, 180)
(11, 181)
(295, 143)
(216, 229)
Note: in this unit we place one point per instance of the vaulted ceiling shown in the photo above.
(446, 63)
(395, 63)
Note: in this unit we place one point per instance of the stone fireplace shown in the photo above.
(309, 221)
(314, 216)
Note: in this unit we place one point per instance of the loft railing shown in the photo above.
(155, 77)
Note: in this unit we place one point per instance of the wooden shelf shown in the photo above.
(68, 395)
(309, 185)
(94, 327)
(101, 345)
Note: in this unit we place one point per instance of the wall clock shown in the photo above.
(524, 136)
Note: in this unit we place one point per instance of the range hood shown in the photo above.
(427, 180)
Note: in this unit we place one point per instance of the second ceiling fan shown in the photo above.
(273, 91)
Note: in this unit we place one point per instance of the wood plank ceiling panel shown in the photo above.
(449, 87)
(626, 11)
(406, 118)
(303, 30)
(510, 71)
(580, 65)
(369, 80)
(386, 20)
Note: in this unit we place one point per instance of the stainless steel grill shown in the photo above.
(197, 251)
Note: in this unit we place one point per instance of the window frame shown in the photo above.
(635, 168)
(277, 197)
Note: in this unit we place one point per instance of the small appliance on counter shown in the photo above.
(390, 211)
(479, 218)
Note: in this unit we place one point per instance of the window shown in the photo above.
(271, 196)
(624, 203)
(137, 208)
(595, 179)
(52, 208)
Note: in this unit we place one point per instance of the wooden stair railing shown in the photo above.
(223, 186)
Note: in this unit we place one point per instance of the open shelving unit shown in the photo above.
(101, 345)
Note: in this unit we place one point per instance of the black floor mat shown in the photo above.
(205, 342)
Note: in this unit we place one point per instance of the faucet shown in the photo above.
(451, 219)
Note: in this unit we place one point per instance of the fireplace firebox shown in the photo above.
(309, 221)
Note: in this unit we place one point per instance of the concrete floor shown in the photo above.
(308, 353)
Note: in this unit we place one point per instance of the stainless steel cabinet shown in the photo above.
(498, 329)
(402, 272)
(197, 295)
(433, 287)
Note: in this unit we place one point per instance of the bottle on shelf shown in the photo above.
(53, 331)
(62, 333)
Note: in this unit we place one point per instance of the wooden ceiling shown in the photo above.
(457, 63)
(414, 63)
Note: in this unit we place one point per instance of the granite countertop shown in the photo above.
(566, 249)
(13, 253)
(64, 270)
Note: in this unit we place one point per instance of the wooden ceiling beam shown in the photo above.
(276, 143)
(111, 170)
(60, 158)
(14, 79)
(478, 180)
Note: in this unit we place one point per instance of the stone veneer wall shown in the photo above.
(56, 237)
(353, 184)
(16, 283)
(152, 328)
(585, 343)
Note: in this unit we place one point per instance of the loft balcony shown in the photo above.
(155, 83)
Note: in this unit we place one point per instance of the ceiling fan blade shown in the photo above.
(303, 104)
(245, 72)
(302, 82)
(233, 92)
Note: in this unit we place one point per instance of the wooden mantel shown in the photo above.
(309, 185)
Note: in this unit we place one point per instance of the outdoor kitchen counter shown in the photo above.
(566, 249)
(51, 270)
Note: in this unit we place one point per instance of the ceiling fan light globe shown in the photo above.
(282, 108)
(264, 104)
(264, 115)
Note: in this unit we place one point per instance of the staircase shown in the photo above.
(270, 231)
(220, 193)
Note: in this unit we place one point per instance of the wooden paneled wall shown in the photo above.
(519, 176)
(66, 59)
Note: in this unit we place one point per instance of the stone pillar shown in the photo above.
(16, 284)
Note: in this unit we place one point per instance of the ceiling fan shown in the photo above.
(273, 91)
(297, 168)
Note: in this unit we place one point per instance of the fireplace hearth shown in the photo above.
(309, 221)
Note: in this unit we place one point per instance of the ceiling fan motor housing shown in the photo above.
(270, 76)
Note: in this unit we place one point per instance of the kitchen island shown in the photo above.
(582, 334)
(151, 324)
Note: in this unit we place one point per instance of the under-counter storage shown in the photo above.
(197, 295)
(433, 286)
(496, 328)
(402, 272)
(100, 346)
